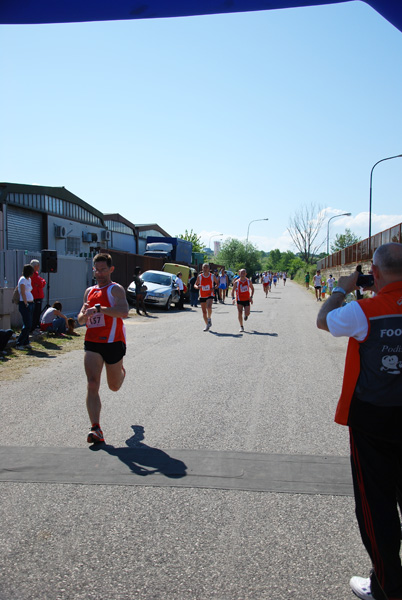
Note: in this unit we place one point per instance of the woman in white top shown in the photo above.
(25, 306)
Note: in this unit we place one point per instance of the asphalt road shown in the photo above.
(168, 509)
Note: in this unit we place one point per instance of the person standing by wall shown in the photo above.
(359, 291)
(330, 284)
(140, 292)
(371, 406)
(38, 284)
(104, 308)
(25, 306)
(180, 286)
(193, 291)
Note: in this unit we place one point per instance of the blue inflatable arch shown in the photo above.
(67, 11)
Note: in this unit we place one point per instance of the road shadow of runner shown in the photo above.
(144, 460)
(217, 334)
(254, 332)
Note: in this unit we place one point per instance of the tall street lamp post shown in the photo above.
(371, 190)
(334, 217)
(248, 228)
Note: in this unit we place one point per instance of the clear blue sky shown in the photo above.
(208, 123)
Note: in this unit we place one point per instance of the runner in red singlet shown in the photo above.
(265, 283)
(206, 283)
(105, 306)
(244, 291)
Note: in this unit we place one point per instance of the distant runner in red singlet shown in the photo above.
(265, 283)
(105, 306)
(206, 283)
(243, 290)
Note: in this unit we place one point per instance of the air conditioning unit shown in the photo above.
(106, 235)
(59, 231)
(86, 236)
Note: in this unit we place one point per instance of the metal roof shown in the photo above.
(56, 192)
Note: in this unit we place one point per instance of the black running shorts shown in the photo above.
(111, 353)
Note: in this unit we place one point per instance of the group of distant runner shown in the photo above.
(242, 293)
(268, 278)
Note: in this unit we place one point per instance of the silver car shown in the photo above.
(161, 289)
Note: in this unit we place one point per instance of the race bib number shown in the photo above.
(206, 288)
(96, 320)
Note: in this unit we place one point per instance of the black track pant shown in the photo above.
(376, 470)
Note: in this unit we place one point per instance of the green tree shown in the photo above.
(274, 259)
(192, 237)
(236, 255)
(343, 240)
(286, 260)
(295, 265)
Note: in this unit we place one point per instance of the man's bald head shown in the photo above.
(388, 258)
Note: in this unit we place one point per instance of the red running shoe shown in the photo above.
(95, 435)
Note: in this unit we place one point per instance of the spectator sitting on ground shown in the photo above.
(53, 320)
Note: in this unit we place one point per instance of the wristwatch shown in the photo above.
(98, 307)
(339, 289)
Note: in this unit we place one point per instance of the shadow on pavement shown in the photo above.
(142, 459)
(254, 332)
(235, 335)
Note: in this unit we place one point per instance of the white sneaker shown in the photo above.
(207, 326)
(241, 329)
(361, 586)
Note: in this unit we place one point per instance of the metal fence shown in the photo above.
(362, 251)
(125, 263)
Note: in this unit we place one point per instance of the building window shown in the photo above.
(73, 245)
(56, 206)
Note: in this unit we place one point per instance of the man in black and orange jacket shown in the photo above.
(371, 406)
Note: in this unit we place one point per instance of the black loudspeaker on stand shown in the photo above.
(49, 261)
(49, 265)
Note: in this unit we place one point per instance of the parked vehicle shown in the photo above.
(162, 290)
(230, 275)
(171, 249)
(187, 273)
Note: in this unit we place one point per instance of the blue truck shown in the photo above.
(172, 249)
